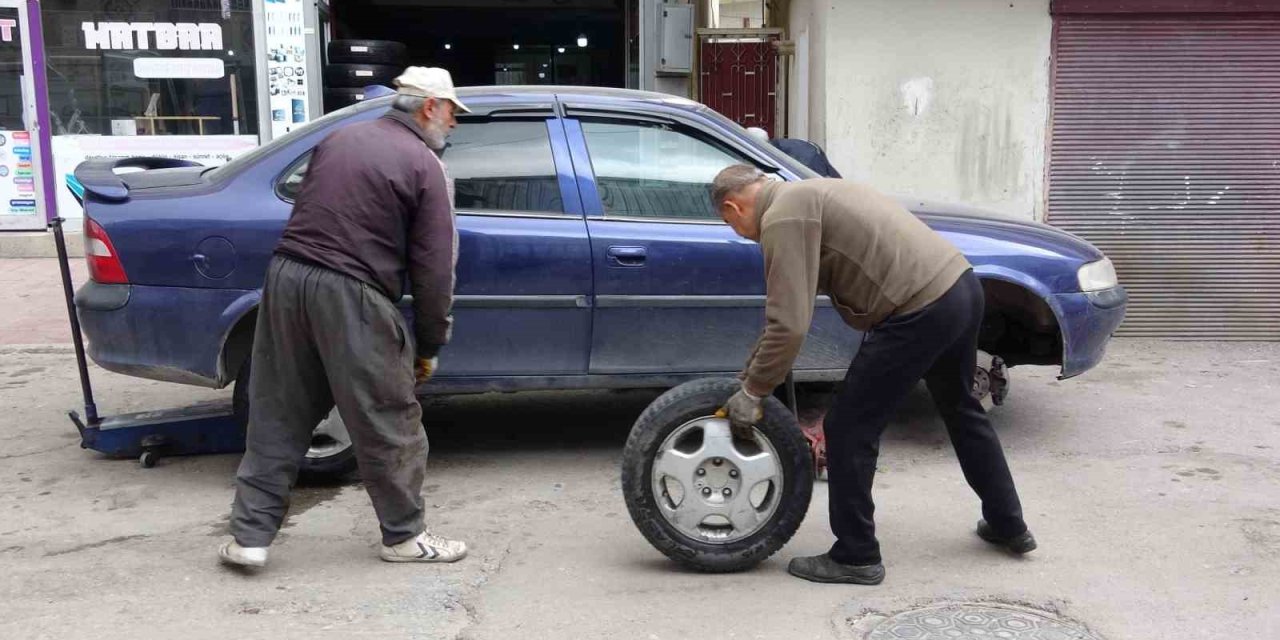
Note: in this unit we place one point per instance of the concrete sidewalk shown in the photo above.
(32, 309)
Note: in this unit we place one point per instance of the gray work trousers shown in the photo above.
(324, 338)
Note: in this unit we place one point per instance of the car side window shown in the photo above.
(290, 183)
(654, 170)
(503, 165)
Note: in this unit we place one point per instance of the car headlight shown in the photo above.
(1097, 276)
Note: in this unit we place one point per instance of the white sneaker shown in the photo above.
(426, 548)
(233, 553)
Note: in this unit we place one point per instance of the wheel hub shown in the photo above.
(717, 475)
(713, 487)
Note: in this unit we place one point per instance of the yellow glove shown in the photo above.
(743, 411)
(424, 368)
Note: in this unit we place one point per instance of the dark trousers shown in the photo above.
(938, 343)
(322, 339)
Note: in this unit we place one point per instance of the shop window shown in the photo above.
(11, 73)
(151, 67)
(503, 165)
(651, 170)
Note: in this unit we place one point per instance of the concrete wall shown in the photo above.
(739, 14)
(940, 99)
(806, 112)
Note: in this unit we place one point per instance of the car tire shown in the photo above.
(367, 52)
(335, 99)
(664, 447)
(356, 76)
(328, 460)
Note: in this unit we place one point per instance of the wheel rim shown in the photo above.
(714, 488)
(330, 437)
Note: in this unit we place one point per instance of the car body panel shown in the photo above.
(542, 300)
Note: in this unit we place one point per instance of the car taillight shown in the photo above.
(104, 263)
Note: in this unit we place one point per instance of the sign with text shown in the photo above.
(17, 175)
(166, 36)
(287, 66)
(192, 68)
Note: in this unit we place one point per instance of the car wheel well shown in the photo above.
(1019, 326)
(239, 346)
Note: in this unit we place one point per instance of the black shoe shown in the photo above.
(1019, 544)
(823, 569)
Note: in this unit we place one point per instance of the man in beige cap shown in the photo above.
(374, 206)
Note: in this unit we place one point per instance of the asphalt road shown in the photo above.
(1151, 484)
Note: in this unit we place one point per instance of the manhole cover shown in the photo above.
(975, 621)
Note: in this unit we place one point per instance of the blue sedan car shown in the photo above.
(590, 256)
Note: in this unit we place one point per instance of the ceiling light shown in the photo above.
(561, 49)
(542, 75)
(582, 40)
(447, 46)
(516, 47)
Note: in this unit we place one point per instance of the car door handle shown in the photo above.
(628, 256)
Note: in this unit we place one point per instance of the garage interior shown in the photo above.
(486, 42)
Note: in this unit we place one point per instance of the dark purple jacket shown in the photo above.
(374, 205)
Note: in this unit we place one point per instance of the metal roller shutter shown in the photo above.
(1165, 153)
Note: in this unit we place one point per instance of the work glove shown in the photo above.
(744, 411)
(424, 368)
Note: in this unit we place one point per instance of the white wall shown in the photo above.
(730, 14)
(939, 99)
(807, 70)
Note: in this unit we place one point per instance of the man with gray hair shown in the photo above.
(916, 299)
(374, 207)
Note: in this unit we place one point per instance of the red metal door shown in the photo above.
(739, 78)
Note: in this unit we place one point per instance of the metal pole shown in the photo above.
(90, 410)
(791, 394)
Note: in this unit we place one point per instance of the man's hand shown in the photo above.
(743, 411)
(424, 368)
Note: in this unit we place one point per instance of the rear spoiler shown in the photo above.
(98, 177)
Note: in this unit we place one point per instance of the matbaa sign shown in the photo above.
(165, 36)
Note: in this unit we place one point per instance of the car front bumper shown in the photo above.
(1087, 321)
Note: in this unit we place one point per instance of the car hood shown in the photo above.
(946, 217)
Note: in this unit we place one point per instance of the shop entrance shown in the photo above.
(486, 42)
(20, 157)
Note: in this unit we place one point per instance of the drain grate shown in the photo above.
(977, 621)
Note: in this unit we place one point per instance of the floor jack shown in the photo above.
(200, 429)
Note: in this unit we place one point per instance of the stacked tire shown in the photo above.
(356, 64)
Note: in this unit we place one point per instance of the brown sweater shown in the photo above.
(872, 256)
(375, 206)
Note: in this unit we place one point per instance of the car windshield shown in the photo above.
(773, 152)
(233, 167)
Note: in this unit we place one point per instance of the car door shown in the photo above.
(676, 290)
(522, 296)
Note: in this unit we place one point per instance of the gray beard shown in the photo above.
(435, 135)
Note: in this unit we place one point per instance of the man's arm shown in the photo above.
(433, 255)
(791, 248)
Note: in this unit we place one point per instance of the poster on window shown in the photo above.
(70, 151)
(286, 67)
(17, 175)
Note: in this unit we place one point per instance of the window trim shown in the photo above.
(519, 113)
(289, 169)
(583, 116)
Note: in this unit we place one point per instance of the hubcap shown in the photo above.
(330, 437)
(713, 487)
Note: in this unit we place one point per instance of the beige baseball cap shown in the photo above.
(429, 82)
